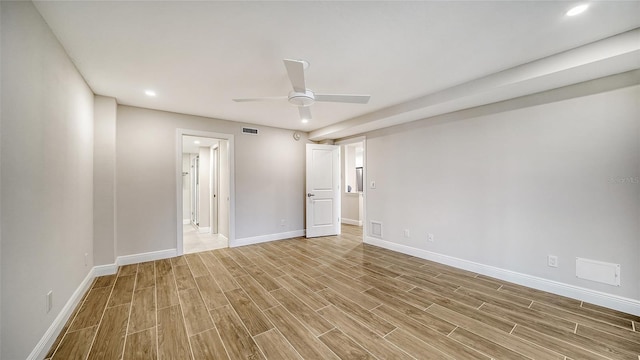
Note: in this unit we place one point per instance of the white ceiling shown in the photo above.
(408, 56)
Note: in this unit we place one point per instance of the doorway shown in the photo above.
(353, 181)
(205, 194)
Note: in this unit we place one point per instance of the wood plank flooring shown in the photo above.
(331, 298)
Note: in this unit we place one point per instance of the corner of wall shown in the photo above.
(47, 340)
(56, 195)
(104, 189)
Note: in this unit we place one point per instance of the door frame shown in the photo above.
(178, 173)
(365, 185)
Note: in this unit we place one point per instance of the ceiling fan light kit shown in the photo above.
(302, 97)
(306, 98)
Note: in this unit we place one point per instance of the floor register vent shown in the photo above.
(249, 131)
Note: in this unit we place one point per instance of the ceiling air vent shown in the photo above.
(249, 131)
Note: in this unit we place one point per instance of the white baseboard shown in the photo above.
(619, 303)
(224, 237)
(204, 230)
(351, 222)
(45, 343)
(52, 333)
(144, 257)
(102, 270)
(266, 238)
(186, 221)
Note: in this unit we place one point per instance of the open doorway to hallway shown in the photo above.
(205, 193)
(353, 186)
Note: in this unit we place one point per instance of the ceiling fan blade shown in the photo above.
(305, 113)
(343, 98)
(295, 69)
(267, 98)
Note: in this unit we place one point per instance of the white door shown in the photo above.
(323, 190)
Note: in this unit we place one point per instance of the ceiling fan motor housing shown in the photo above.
(305, 98)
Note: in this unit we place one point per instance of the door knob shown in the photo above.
(310, 194)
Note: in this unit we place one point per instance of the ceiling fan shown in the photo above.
(303, 97)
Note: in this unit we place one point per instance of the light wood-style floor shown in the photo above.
(331, 298)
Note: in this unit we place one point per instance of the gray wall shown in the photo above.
(104, 180)
(351, 206)
(223, 202)
(269, 178)
(507, 184)
(186, 187)
(1, 29)
(47, 178)
(205, 182)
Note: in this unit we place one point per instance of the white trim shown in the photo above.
(232, 182)
(186, 221)
(619, 303)
(54, 330)
(351, 140)
(351, 222)
(204, 230)
(102, 270)
(144, 257)
(49, 337)
(266, 238)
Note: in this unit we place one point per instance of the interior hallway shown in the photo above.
(193, 241)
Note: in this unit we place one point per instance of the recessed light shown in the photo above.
(150, 93)
(196, 142)
(304, 121)
(577, 10)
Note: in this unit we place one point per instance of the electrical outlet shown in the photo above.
(552, 261)
(86, 259)
(49, 301)
(430, 237)
(406, 233)
(283, 222)
(373, 184)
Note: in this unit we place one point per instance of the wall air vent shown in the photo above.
(375, 227)
(599, 271)
(249, 131)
